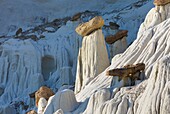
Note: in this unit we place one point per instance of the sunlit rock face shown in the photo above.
(88, 27)
(155, 16)
(92, 59)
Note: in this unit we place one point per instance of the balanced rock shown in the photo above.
(119, 35)
(128, 70)
(88, 27)
(130, 74)
(32, 112)
(44, 92)
(161, 2)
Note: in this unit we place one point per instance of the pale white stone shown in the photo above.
(41, 105)
(118, 47)
(64, 100)
(155, 16)
(92, 59)
(96, 100)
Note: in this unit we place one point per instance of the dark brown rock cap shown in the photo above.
(161, 2)
(127, 70)
(118, 36)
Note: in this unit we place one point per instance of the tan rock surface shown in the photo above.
(88, 27)
(161, 2)
(44, 92)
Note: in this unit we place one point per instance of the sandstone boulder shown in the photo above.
(88, 27)
(119, 35)
(44, 92)
(161, 2)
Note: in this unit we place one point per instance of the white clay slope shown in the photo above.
(151, 47)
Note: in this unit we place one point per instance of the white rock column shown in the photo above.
(92, 59)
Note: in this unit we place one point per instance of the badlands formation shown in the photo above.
(105, 93)
(109, 76)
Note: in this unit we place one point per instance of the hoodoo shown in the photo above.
(93, 57)
(117, 42)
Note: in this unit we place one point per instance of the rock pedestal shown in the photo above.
(117, 42)
(92, 59)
